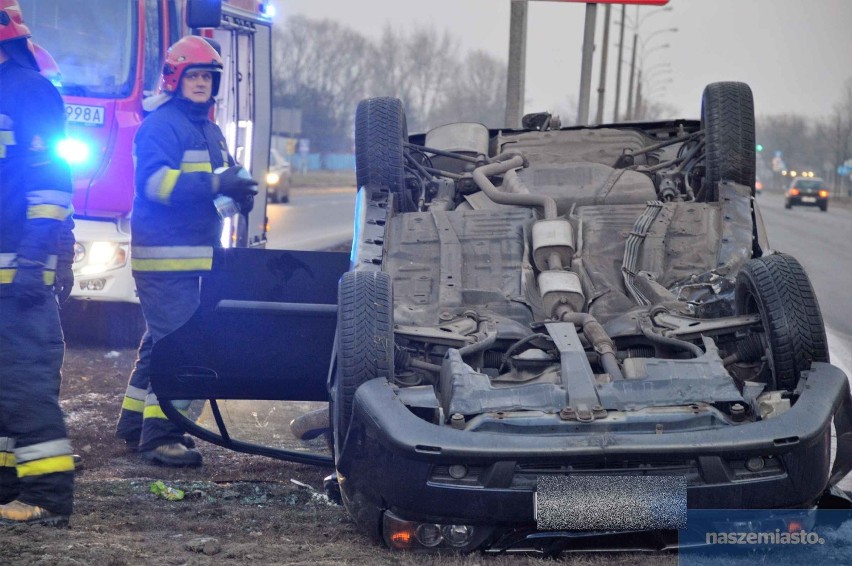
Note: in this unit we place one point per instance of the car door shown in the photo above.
(264, 331)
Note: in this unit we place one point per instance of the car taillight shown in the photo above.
(794, 192)
(823, 194)
(758, 185)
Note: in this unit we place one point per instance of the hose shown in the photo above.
(504, 163)
(668, 341)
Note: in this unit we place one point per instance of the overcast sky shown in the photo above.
(795, 54)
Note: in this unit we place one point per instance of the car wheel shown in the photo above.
(365, 343)
(777, 288)
(380, 131)
(727, 117)
(788, 205)
(824, 207)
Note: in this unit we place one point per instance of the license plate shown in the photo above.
(592, 503)
(86, 115)
(808, 199)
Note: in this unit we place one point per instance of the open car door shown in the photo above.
(265, 330)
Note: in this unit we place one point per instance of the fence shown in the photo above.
(322, 162)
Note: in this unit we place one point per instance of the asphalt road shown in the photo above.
(314, 219)
(821, 242)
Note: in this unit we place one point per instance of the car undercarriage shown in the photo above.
(593, 306)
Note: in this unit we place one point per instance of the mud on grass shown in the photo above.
(237, 509)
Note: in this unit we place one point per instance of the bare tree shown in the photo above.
(318, 66)
(839, 134)
(477, 93)
(416, 68)
(653, 110)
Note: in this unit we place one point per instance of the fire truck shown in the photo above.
(109, 54)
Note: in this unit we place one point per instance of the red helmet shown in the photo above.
(190, 52)
(12, 21)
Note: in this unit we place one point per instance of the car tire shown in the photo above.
(727, 118)
(824, 207)
(365, 342)
(777, 288)
(380, 130)
(788, 205)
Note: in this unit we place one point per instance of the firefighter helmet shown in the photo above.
(190, 52)
(12, 21)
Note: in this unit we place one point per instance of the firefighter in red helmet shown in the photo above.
(182, 167)
(36, 464)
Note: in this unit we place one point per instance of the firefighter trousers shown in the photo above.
(36, 465)
(167, 304)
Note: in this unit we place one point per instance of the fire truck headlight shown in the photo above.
(103, 256)
(73, 151)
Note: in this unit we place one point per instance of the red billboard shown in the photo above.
(642, 2)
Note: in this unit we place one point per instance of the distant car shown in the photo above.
(278, 178)
(758, 187)
(807, 192)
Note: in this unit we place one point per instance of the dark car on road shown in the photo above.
(542, 337)
(807, 192)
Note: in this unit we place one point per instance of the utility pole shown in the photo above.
(517, 64)
(628, 115)
(638, 108)
(602, 83)
(620, 57)
(586, 68)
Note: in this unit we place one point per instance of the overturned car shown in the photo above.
(543, 336)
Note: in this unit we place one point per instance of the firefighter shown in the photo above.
(182, 166)
(36, 464)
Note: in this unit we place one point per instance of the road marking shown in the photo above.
(840, 351)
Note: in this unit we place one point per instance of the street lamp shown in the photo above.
(635, 24)
(656, 48)
(661, 64)
(658, 32)
(635, 109)
(656, 89)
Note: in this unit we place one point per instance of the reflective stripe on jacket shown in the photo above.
(35, 183)
(174, 222)
(9, 266)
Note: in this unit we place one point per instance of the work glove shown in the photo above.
(28, 285)
(236, 183)
(64, 281)
(245, 204)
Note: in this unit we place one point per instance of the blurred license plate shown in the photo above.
(808, 199)
(592, 503)
(87, 115)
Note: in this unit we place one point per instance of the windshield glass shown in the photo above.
(93, 43)
(809, 184)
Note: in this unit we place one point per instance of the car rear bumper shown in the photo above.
(800, 201)
(392, 460)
